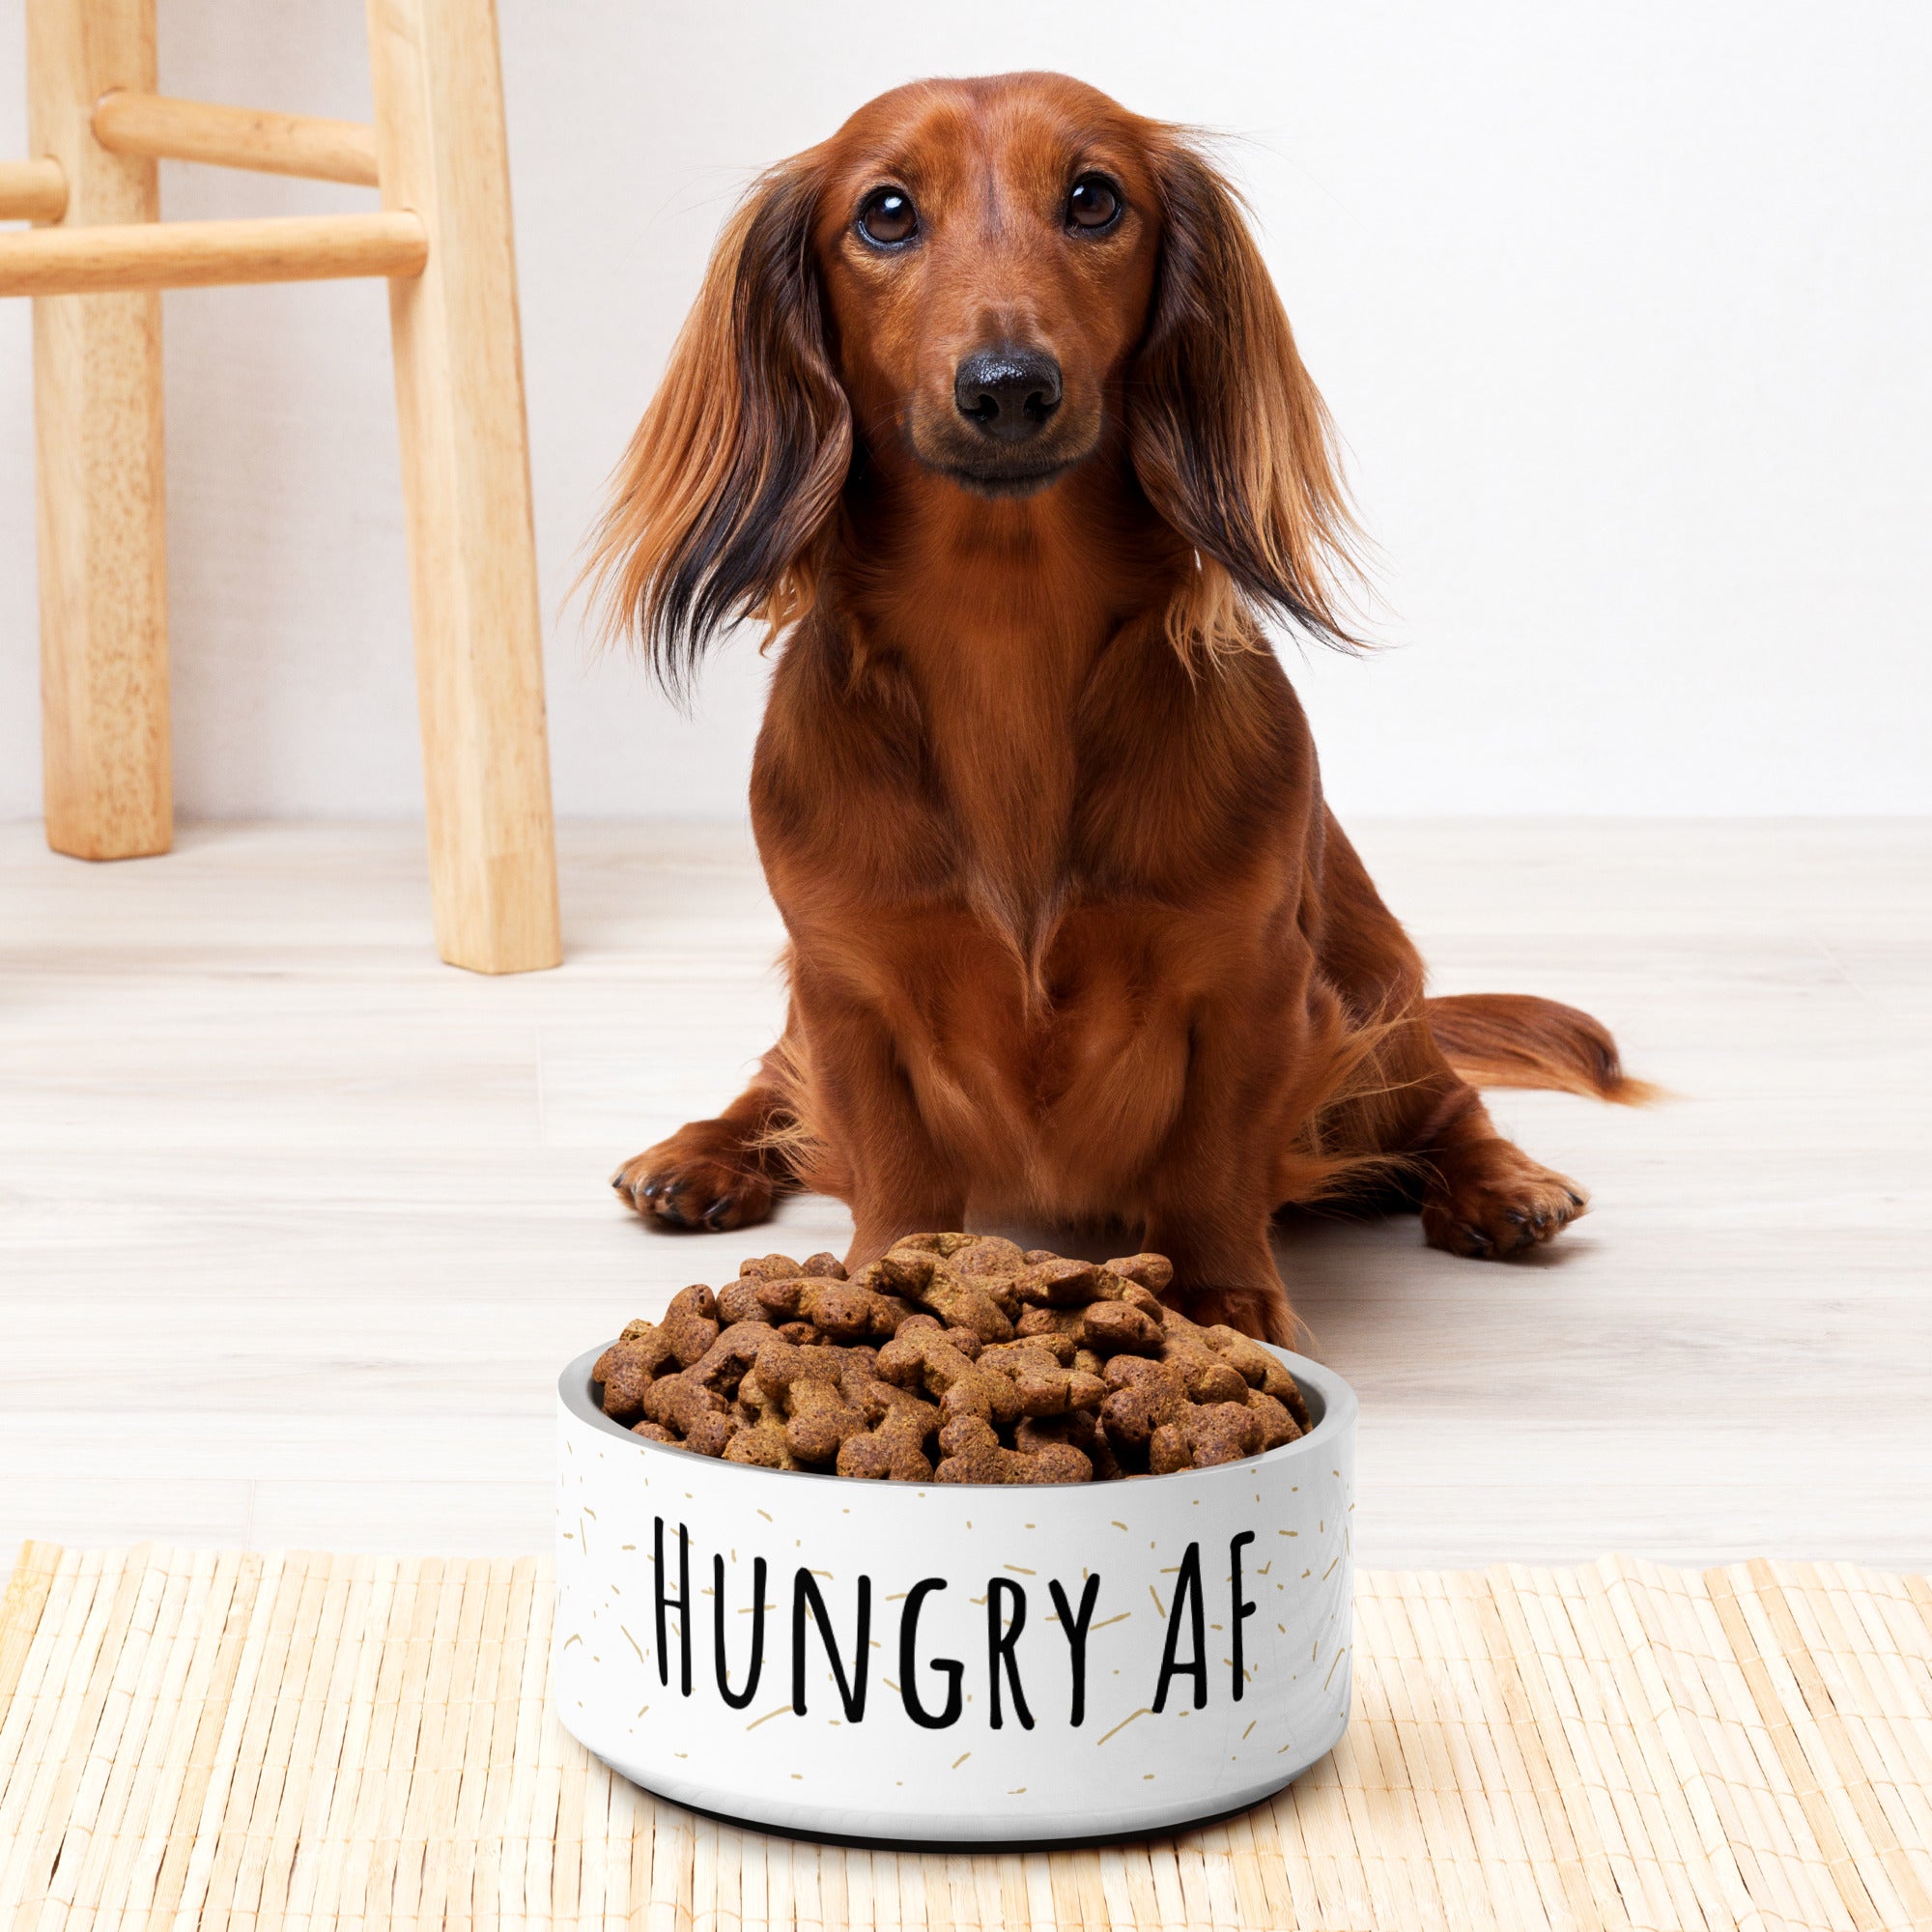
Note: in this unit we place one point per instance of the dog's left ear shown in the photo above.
(719, 506)
(1230, 437)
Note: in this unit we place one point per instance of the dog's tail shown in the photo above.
(1515, 1040)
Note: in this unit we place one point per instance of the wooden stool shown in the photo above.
(443, 237)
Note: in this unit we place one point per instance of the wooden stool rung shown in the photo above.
(200, 254)
(32, 191)
(128, 121)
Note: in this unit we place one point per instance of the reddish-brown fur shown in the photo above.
(1073, 935)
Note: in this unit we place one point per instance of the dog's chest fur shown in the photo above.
(1024, 877)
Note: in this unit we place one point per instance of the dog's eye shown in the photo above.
(1094, 203)
(889, 217)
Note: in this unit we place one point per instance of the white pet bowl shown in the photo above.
(1215, 1651)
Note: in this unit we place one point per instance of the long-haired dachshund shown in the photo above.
(989, 410)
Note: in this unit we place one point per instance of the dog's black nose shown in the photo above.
(1009, 393)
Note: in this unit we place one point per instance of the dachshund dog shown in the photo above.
(990, 411)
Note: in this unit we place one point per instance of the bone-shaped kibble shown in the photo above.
(738, 1300)
(760, 1442)
(988, 1257)
(1118, 1328)
(756, 1401)
(859, 1375)
(1153, 1272)
(1258, 1367)
(1207, 1376)
(1277, 1421)
(1044, 1387)
(876, 1399)
(1206, 1434)
(723, 1365)
(943, 1245)
(845, 1310)
(1079, 1429)
(689, 1324)
(921, 1358)
(1145, 1395)
(964, 1340)
(1043, 1318)
(1037, 1324)
(699, 1415)
(769, 1267)
(626, 1368)
(1212, 1380)
(1061, 1344)
(974, 1454)
(820, 1418)
(992, 1265)
(893, 1449)
(922, 1277)
(1066, 1283)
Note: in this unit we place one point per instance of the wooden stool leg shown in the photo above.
(97, 434)
(466, 479)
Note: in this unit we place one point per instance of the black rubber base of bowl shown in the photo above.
(1090, 1841)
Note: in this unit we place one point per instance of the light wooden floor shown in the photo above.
(296, 1225)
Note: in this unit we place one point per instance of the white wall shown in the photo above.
(1622, 311)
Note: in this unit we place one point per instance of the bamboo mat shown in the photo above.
(203, 1739)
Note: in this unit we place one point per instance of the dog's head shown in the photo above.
(979, 286)
(988, 251)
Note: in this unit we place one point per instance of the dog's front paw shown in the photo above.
(1491, 1200)
(692, 1180)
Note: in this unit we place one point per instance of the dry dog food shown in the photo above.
(955, 1357)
